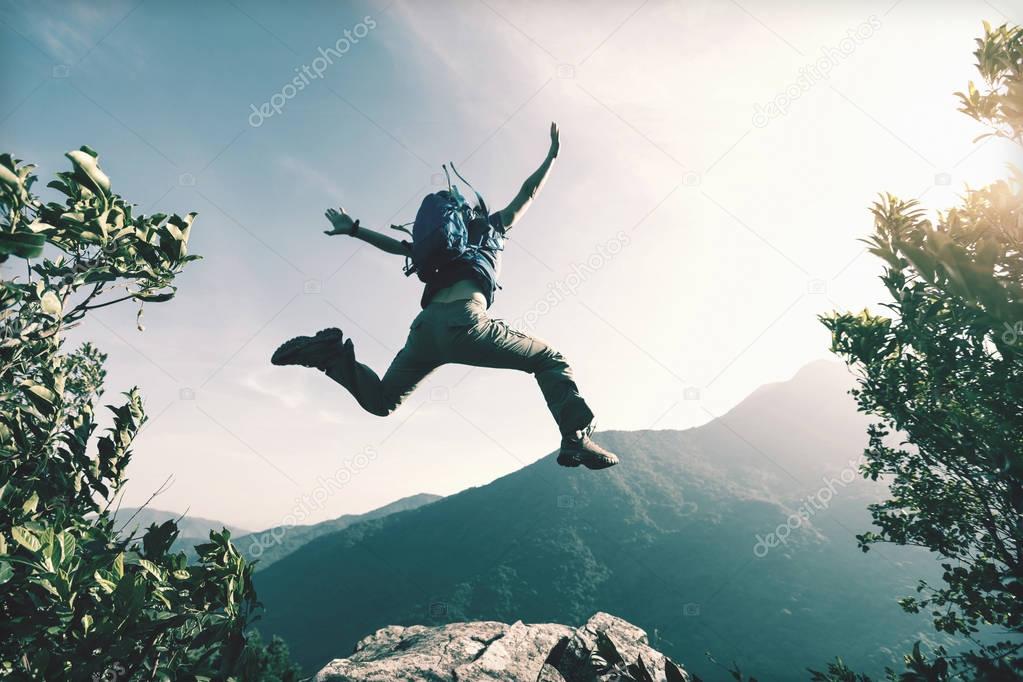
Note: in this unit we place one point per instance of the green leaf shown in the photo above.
(61, 186)
(51, 304)
(151, 568)
(87, 170)
(108, 585)
(68, 545)
(21, 244)
(30, 504)
(26, 538)
(155, 298)
(40, 396)
(9, 177)
(159, 538)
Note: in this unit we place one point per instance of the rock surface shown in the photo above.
(606, 648)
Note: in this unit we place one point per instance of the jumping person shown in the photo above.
(456, 251)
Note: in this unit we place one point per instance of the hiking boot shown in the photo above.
(309, 351)
(576, 451)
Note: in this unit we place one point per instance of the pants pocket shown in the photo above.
(469, 316)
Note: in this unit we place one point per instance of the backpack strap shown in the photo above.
(479, 199)
(409, 268)
(404, 228)
(453, 189)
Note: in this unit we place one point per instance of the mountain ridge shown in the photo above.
(667, 540)
(272, 544)
(265, 546)
(190, 526)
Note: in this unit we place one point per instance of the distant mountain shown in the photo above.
(190, 526)
(267, 546)
(736, 537)
(193, 529)
(271, 545)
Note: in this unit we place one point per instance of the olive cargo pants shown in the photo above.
(461, 332)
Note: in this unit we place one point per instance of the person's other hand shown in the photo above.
(341, 221)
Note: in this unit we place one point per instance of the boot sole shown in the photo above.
(592, 463)
(283, 354)
(290, 350)
(568, 461)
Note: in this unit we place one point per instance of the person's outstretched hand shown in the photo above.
(342, 222)
(555, 141)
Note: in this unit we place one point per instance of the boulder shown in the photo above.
(605, 649)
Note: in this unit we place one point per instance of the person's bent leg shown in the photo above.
(382, 396)
(485, 342)
(475, 339)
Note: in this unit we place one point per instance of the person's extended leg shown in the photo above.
(380, 396)
(329, 352)
(479, 340)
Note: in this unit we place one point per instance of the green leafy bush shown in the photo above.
(945, 373)
(77, 600)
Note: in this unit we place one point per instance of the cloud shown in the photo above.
(311, 176)
(64, 32)
(292, 392)
(330, 417)
(414, 27)
(487, 50)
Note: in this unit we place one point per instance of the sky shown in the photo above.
(718, 161)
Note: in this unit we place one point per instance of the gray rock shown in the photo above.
(606, 648)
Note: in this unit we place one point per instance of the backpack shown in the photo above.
(440, 232)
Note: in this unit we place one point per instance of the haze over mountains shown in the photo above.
(270, 545)
(265, 546)
(193, 529)
(736, 537)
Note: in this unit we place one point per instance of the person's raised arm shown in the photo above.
(531, 187)
(343, 224)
